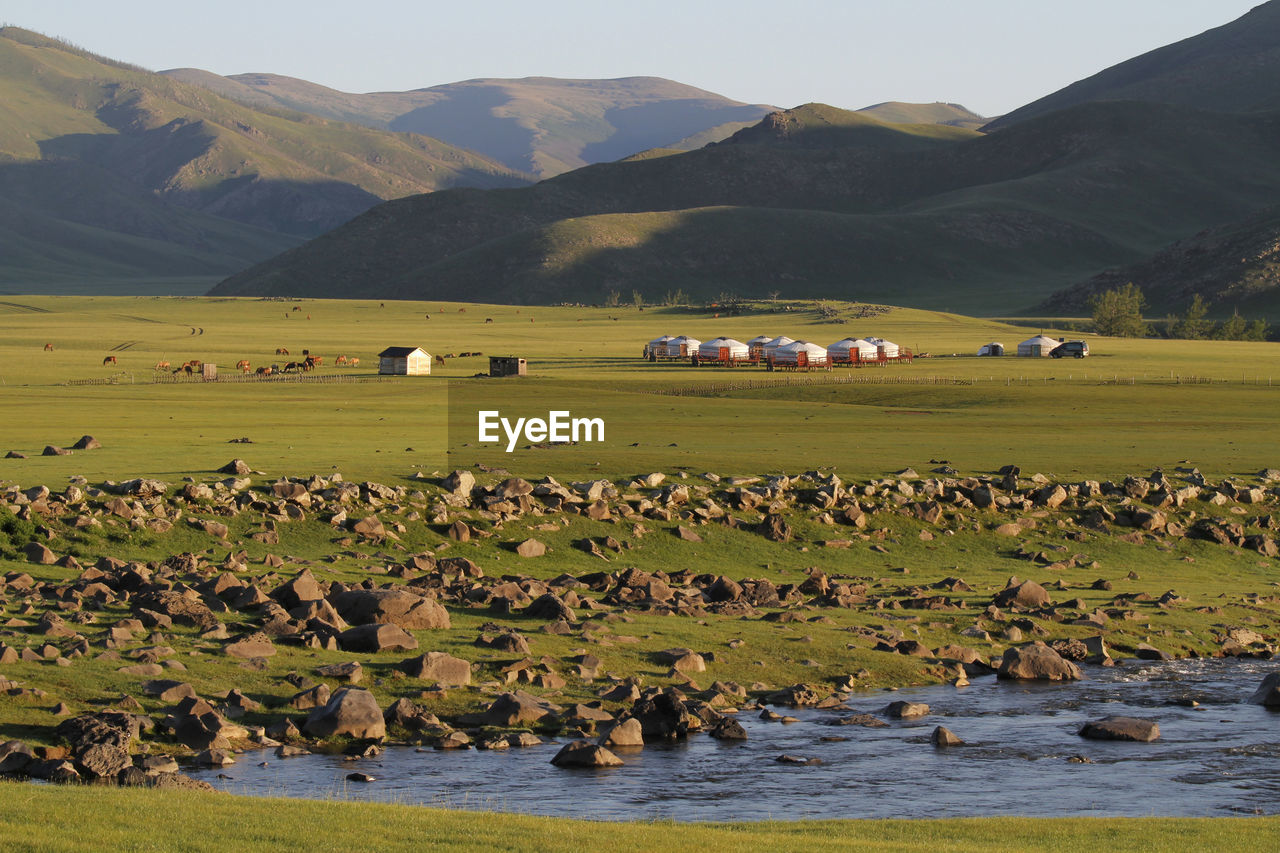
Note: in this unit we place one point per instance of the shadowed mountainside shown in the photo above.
(1232, 68)
(1235, 266)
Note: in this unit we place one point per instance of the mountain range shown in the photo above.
(1162, 170)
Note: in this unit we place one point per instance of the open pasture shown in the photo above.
(1131, 406)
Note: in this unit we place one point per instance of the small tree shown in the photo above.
(1231, 329)
(1257, 331)
(613, 299)
(1118, 313)
(637, 299)
(1195, 324)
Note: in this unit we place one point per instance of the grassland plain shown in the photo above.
(1134, 404)
(1129, 409)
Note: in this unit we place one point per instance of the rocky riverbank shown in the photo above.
(146, 622)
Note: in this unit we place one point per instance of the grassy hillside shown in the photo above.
(541, 125)
(1233, 267)
(1232, 68)
(108, 170)
(817, 202)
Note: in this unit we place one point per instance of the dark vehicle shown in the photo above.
(1070, 349)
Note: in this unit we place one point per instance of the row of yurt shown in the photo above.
(1038, 347)
(995, 348)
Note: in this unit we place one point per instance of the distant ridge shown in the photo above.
(111, 172)
(541, 125)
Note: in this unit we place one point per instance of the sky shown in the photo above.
(989, 55)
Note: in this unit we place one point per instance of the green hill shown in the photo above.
(541, 125)
(1232, 68)
(1235, 266)
(898, 112)
(817, 202)
(110, 171)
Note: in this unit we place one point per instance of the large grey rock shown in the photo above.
(623, 734)
(514, 709)
(376, 638)
(444, 669)
(1268, 693)
(400, 607)
(1027, 594)
(1121, 728)
(352, 712)
(584, 753)
(1037, 662)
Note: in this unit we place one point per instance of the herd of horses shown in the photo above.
(196, 366)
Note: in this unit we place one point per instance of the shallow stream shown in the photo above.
(1218, 757)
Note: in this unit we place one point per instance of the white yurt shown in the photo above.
(1037, 347)
(757, 344)
(850, 349)
(995, 348)
(889, 348)
(723, 349)
(658, 346)
(682, 346)
(771, 347)
(800, 354)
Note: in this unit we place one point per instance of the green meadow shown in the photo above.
(1132, 406)
(112, 819)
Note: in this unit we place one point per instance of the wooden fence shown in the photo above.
(163, 378)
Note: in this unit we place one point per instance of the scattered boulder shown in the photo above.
(623, 734)
(584, 753)
(1121, 728)
(906, 710)
(943, 736)
(1268, 693)
(352, 712)
(376, 638)
(400, 607)
(444, 669)
(1037, 662)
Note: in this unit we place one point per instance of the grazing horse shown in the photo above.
(339, 361)
(162, 365)
(263, 371)
(488, 319)
(243, 364)
(111, 359)
(293, 365)
(282, 350)
(439, 359)
(297, 308)
(353, 362)
(315, 360)
(48, 347)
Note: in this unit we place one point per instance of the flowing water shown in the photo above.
(1220, 756)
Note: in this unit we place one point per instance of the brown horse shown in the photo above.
(243, 364)
(263, 371)
(111, 359)
(293, 365)
(282, 350)
(48, 347)
(353, 362)
(339, 361)
(162, 365)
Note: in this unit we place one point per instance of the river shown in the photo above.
(1216, 756)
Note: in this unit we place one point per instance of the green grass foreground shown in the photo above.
(116, 819)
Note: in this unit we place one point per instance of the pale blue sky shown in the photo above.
(990, 55)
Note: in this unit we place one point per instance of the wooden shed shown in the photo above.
(507, 365)
(404, 361)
